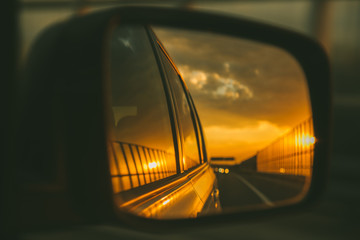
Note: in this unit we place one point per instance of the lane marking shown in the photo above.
(255, 190)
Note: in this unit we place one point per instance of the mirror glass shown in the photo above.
(202, 123)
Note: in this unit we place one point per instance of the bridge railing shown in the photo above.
(292, 153)
(135, 165)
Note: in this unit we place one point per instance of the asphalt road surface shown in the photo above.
(243, 189)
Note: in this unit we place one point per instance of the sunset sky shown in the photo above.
(247, 93)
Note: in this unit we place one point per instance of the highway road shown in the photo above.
(243, 189)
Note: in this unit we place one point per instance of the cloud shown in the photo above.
(215, 85)
(230, 88)
(195, 78)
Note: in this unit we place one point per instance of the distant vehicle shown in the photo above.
(222, 161)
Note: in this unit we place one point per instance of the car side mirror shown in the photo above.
(131, 139)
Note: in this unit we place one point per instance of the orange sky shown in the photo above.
(247, 94)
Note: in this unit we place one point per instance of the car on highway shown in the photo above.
(159, 164)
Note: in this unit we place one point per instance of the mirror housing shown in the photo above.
(73, 55)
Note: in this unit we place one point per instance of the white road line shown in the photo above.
(254, 189)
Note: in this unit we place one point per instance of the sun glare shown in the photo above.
(152, 165)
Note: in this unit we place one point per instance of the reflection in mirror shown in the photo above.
(248, 144)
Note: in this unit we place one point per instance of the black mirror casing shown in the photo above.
(65, 109)
(72, 74)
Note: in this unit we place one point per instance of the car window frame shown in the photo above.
(162, 51)
(159, 48)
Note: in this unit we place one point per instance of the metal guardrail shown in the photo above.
(292, 153)
(134, 165)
